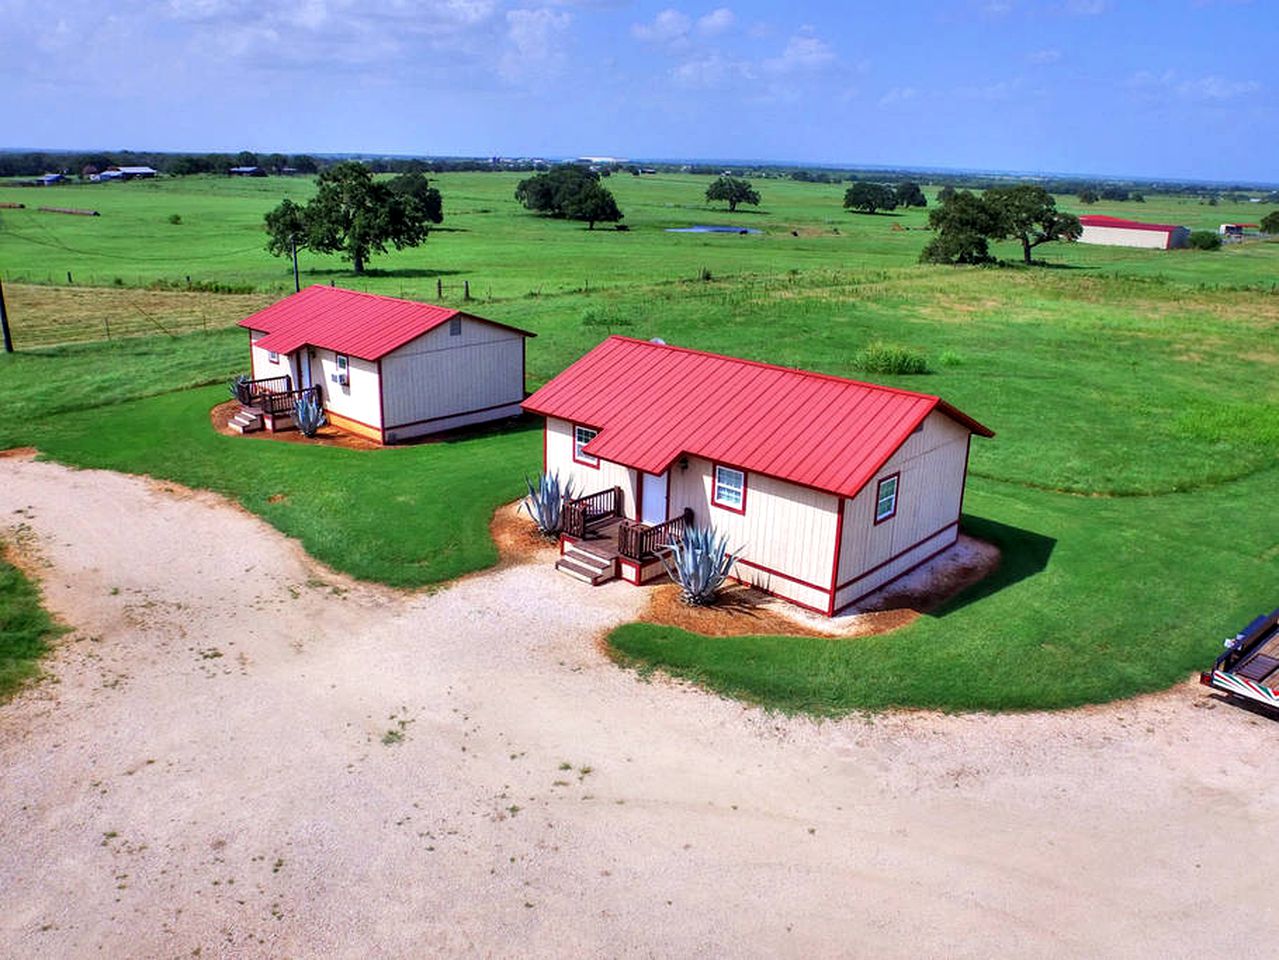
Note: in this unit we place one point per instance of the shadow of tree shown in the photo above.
(403, 272)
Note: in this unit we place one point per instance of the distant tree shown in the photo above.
(870, 197)
(1204, 240)
(1114, 193)
(909, 194)
(303, 163)
(732, 191)
(246, 158)
(1270, 222)
(592, 203)
(1029, 213)
(416, 190)
(568, 190)
(1137, 198)
(964, 223)
(945, 193)
(1088, 195)
(275, 162)
(351, 214)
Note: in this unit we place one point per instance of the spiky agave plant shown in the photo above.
(545, 502)
(308, 414)
(240, 388)
(699, 562)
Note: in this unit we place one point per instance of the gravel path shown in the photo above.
(239, 753)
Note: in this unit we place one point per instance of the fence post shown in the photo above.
(439, 288)
(466, 289)
(4, 323)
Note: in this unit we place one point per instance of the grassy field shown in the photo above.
(24, 628)
(1128, 486)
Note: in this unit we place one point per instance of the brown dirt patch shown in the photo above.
(517, 539)
(45, 315)
(328, 435)
(20, 453)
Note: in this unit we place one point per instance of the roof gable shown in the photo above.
(652, 402)
(364, 325)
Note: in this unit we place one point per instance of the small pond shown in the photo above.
(706, 228)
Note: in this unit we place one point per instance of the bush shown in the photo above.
(545, 502)
(175, 218)
(890, 358)
(699, 562)
(1204, 240)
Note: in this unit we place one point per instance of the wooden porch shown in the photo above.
(597, 537)
(268, 403)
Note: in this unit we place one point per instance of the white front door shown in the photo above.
(654, 499)
(304, 367)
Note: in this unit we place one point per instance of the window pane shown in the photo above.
(886, 500)
(581, 437)
(729, 486)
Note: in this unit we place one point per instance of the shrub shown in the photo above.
(1204, 240)
(240, 388)
(699, 562)
(949, 358)
(308, 414)
(545, 502)
(175, 218)
(890, 358)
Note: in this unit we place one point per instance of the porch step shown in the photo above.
(588, 569)
(246, 421)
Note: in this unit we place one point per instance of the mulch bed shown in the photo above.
(327, 436)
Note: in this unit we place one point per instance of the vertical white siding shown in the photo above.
(438, 376)
(358, 400)
(1125, 237)
(262, 366)
(930, 490)
(786, 537)
(586, 480)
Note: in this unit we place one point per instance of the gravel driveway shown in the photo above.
(239, 753)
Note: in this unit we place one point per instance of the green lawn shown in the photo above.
(25, 629)
(1129, 484)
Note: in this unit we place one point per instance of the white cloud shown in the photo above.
(804, 53)
(715, 22)
(992, 92)
(534, 38)
(898, 95)
(1042, 57)
(1203, 89)
(668, 27)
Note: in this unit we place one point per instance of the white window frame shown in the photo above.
(580, 440)
(736, 501)
(272, 356)
(343, 362)
(889, 498)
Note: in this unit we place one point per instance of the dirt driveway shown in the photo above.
(240, 754)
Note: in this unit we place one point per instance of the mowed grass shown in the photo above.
(25, 628)
(1129, 484)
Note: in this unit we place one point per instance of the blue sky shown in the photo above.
(1174, 88)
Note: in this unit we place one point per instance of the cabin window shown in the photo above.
(581, 437)
(343, 363)
(886, 498)
(455, 327)
(273, 356)
(729, 489)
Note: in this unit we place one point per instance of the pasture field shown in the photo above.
(1130, 483)
(25, 628)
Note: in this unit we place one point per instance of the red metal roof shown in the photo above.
(364, 325)
(1101, 220)
(652, 402)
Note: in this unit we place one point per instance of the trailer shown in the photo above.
(1250, 666)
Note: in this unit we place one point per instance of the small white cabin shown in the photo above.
(387, 369)
(828, 488)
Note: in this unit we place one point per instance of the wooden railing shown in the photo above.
(635, 541)
(580, 513)
(282, 402)
(249, 391)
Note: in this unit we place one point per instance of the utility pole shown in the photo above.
(297, 286)
(4, 323)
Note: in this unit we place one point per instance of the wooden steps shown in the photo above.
(248, 420)
(582, 563)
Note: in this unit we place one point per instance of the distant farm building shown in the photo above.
(827, 488)
(127, 173)
(382, 368)
(49, 179)
(1117, 232)
(247, 172)
(89, 171)
(1236, 230)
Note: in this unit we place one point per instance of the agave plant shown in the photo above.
(545, 502)
(308, 414)
(239, 388)
(699, 562)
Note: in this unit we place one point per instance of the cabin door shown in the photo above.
(304, 368)
(653, 499)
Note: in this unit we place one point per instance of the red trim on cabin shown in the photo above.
(897, 556)
(450, 416)
(668, 493)
(839, 546)
(253, 373)
(774, 593)
(912, 567)
(897, 489)
(785, 576)
(715, 487)
(573, 436)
